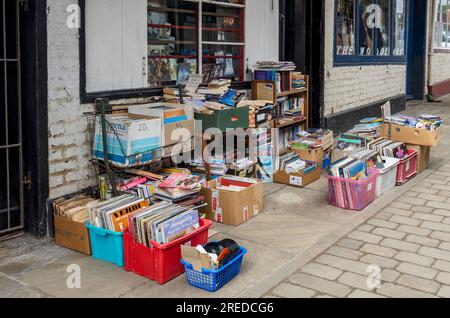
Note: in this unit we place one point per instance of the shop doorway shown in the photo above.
(416, 49)
(23, 118)
(11, 159)
(302, 41)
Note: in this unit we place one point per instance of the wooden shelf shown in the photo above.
(224, 4)
(156, 42)
(292, 92)
(291, 123)
(178, 27)
(223, 43)
(172, 10)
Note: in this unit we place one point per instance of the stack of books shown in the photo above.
(389, 148)
(298, 80)
(428, 122)
(372, 158)
(179, 187)
(349, 168)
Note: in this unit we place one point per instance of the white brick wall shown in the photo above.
(350, 87)
(441, 67)
(69, 151)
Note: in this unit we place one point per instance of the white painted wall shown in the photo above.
(116, 44)
(262, 31)
(69, 151)
(350, 87)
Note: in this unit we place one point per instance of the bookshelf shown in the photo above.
(208, 35)
(280, 94)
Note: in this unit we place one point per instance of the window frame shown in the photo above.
(355, 60)
(90, 97)
(436, 48)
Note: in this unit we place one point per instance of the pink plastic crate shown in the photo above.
(407, 168)
(352, 194)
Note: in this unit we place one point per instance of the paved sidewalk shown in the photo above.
(403, 251)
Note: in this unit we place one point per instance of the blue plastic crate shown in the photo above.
(213, 280)
(106, 245)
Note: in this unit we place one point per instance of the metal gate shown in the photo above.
(11, 175)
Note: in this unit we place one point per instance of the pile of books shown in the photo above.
(298, 80)
(372, 158)
(427, 122)
(138, 186)
(389, 148)
(279, 66)
(291, 163)
(305, 144)
(368, 128)
(323, 137)
(215, 87)
(349, 168)
(179, 187)
(162, 223)
(113, 214)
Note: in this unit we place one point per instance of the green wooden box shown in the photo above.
(230, 118)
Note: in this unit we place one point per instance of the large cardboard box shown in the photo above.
(131, 139)
(411, 135)
(232, 208)
(314, 155)
(172, 128)
(298, 179)
(423, 153)
(229, 118)
(72, 235)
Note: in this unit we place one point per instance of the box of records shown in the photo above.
(70, 217)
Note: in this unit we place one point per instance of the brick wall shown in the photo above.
(441, 67)
(69, 151)
(350, 87)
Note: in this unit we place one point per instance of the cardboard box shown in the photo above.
(298, 179)
(232, 208)
(131, 139)
(72, 235)
(229, 118)
(423, 153)
(314, 155)
(411, 135)
(172, 128)
(327, 140)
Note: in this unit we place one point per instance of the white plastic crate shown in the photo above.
(388, 176)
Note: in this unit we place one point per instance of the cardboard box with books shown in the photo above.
(295, 171)
(424, 130)
(233, 200)
(70, 217)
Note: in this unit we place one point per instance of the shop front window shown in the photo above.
(346, 27)
(175, 45)
(442, 32)
(370, 31)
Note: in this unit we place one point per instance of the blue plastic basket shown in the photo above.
(106, 245)
(213, 280)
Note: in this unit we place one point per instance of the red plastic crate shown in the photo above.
(161, 263)
(408, 167)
